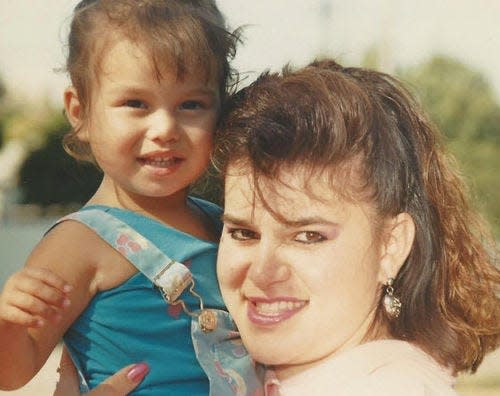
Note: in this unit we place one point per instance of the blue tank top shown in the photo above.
(132, 323)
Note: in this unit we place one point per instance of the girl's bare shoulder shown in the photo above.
(80, 256)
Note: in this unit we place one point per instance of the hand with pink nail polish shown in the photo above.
(121, 383)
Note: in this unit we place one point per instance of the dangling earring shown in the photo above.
(392, 304)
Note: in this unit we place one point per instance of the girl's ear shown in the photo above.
(397, 246)
(73, 110)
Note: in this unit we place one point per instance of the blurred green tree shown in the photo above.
(3, 89)
(463, 105)
(50, 176)
(1, 133)
(459, 99)
(2, 95)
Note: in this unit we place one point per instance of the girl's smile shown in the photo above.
(162, 163)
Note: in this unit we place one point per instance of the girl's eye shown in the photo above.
(309, 237)
(135, 104)
(241, 234)
(192, 105)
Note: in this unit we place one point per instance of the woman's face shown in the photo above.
(304, 284)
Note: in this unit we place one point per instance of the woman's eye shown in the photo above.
(242, 234)
(135, 104)
(309, 237)
(192, 105)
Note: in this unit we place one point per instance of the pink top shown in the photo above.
(385, 368)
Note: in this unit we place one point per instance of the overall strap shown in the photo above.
(169, 275)
(217, 345)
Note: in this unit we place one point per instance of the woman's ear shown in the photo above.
(400, 233)
(74, 113)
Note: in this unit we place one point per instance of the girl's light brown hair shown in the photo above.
(326, 117)
(182, 36)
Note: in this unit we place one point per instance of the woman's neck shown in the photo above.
(367, 332)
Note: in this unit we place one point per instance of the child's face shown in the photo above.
(151, 137)
(302, 287)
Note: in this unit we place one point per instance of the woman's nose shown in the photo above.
(268, 266)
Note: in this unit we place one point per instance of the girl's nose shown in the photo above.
(268, 267)
(164, 127)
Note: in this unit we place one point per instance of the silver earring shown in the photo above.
(392, 304)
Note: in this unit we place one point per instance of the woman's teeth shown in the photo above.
(278, 307)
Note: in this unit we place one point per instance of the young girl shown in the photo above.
(350, 260)
(149, 77)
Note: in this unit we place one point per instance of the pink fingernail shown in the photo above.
(138, 372)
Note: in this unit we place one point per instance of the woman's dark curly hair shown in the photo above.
(327, 117)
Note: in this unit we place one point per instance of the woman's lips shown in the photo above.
(270, 312)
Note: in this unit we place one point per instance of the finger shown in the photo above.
(30, 305)
(122, 382)
(48, 277)
(43, 292)
(68, 384)
(46, 294)
(19, 317)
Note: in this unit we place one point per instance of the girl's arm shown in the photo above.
(32, 298)
(37, 306)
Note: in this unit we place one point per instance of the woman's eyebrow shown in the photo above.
(300, 222)
(305, 221)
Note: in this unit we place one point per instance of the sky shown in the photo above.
(32, 36)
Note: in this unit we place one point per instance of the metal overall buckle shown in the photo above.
(172, 280)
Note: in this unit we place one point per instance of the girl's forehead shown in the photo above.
(125, 62)
(159, 63)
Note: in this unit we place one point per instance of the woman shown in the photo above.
(350, 260)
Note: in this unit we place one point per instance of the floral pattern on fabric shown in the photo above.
(229, 367)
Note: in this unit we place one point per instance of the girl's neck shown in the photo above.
(173, 210)
(160, 208)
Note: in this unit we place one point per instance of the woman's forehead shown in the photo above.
(296, 187)
(285, 189)
(316, 180)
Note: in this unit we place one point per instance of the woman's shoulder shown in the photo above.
(398, 368)
(396, 383)
(385, 368)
